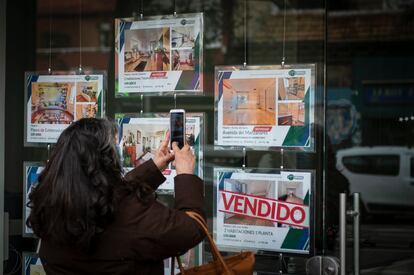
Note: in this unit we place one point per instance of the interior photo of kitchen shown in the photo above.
(291, 114)
(183, 37)
(292, 88)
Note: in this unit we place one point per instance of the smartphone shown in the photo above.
(177, 127)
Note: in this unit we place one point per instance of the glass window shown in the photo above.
(374, 164)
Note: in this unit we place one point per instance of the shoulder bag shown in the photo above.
(239, 264)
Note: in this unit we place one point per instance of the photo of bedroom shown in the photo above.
(147, 50)
(51, 103)
(140, 142)
(292, 88)
(291, 114)
(86, 110)
(183, 37)
(261, 188)
(86, 91)
(249, 101)
(183, 60)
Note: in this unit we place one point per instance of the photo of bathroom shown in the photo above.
(292, 88)
(183, 37)
(140, 142)
(292, 114)
(51, 103)
(260, 188)
(291, 191)
(147, 50)
(249, 101)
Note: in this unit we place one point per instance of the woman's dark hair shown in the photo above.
(78, 191)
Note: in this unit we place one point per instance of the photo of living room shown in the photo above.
(140, 142)
(261, 188)
(183, 37)
(86, 110)
(86, 91)
(51, 103)
(249, 101)
(292, 88)
(183, 60)
(147, 50)
(291, 114)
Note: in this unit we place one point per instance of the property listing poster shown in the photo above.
(159, 54)
(55, 101)
(31, 175)
(262, 211)
(32, 264)
(140, 137)
(191, 258)
(264, 106)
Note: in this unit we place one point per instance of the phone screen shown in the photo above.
(177, 128)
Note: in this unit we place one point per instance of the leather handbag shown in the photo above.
(239, 264)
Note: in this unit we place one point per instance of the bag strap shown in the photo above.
(180, 265)
(215, 252)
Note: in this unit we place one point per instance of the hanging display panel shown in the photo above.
(159, 54)
(141, 136)
(266, 211)
(52, 102)
(32, 264)
(265, 106)
(31, 172)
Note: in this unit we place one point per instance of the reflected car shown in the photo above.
(384, 175)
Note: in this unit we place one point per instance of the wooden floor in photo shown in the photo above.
(249, 117)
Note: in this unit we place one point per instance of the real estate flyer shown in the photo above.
(55, 101)
(262, 211)
(264, 106)
(31, 174)
(140, 137)
(159, 54)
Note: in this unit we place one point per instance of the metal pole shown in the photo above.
(356, 233)
(342, 232)
(3, 237)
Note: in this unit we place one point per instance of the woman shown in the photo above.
(93, 220)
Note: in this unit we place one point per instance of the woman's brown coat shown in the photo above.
(141, 236)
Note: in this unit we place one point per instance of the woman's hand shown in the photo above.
(163, 156)
(184, 159)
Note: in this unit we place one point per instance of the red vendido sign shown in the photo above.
(265, 208)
